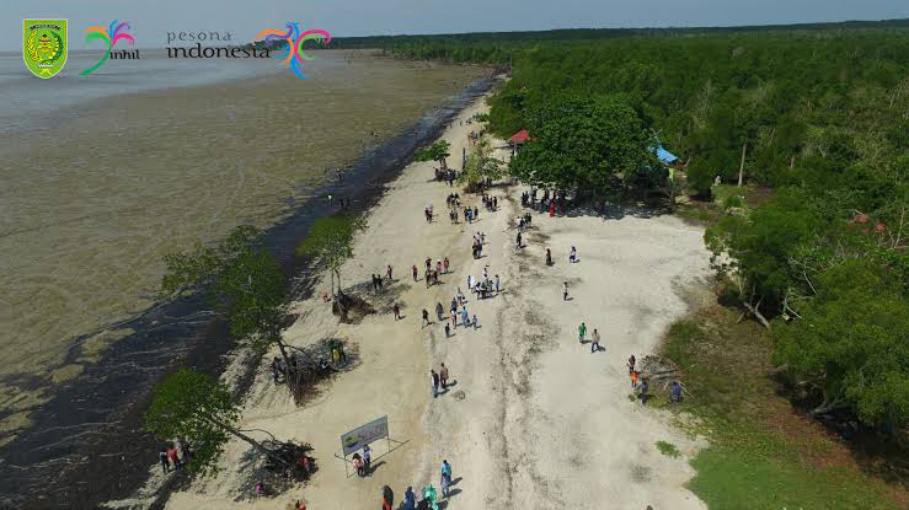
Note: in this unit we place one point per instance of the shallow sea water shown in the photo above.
(100, 179)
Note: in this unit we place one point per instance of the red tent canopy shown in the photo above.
(520, 137)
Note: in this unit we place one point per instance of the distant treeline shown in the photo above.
(815, 117)
(413, 42)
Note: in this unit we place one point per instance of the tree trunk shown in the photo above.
(252, 442)
(755, 310)
(742, 164)
(826, 406)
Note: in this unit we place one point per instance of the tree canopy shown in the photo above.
(589, 145)
(481, 164)
(240, 277)
(437, 152)
(194, 407)
(330, 242)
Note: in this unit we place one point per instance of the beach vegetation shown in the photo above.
(668, 449)
(331, 242)
(437, 152)
(241, 279)
(196, 408)
(482, 166)
(588, 146)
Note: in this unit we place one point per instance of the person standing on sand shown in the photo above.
(445, 265)
(389, 272)
(410, 500)
(582, 332)
(443, 376)
(425, 318)
(595, 344)
(440, 310)
(548, 257)
(447, 330)
(388, 498)
(574, 255)
(435, 383)
(631, 362)
(367, 459)
(165, 464)
(476, 324)
(174, 457)
(520, 244)
(397, 310)
(454, 319)
(634, 379)
(465, 318)
(565, 292)
(415, 273)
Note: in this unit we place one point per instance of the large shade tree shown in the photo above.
(196, 408)
(584, 145)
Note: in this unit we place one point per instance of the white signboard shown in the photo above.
(361, 436)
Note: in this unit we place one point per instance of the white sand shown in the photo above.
(543, 422)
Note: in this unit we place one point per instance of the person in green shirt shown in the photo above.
(582, 332)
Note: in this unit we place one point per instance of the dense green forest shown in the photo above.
(815, 117)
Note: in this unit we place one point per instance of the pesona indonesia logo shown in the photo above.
(293, 40)
(115, 32)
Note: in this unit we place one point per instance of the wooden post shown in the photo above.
(742, 164)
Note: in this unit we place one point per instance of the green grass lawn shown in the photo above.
(762, 454)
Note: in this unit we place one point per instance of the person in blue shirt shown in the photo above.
(446, 478)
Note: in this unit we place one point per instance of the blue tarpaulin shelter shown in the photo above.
(665, 156)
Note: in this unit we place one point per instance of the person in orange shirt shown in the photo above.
(634, 379)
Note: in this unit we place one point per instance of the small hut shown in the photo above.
(517, 140)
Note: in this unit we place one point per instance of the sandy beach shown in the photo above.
(534, 419)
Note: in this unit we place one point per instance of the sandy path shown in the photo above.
(543, 423)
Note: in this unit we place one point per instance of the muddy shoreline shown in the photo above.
(86, 445)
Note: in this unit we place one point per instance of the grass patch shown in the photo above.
(667, 449)
(762, 454)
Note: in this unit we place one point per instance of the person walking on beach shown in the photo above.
(643, 393)
(582, 332)
(447, 330)
(389, 272)
(595, 343)
(548, 257)
(565, 292)
(631, 362)
(454, 319)
(443, 376)
(440, 310)
(574, 255)
(634, 379)
(445, 265)
(445, 482)
(397, 310)
(425, 318)
(415, 273)
(520, 243)
(435, 383)
(476, 324)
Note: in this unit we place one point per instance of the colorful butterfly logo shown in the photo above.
(115, 33)
(293, 51)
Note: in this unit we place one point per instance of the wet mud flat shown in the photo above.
(87, 445)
